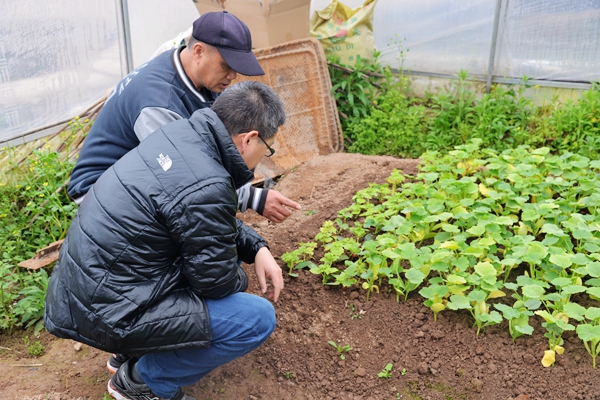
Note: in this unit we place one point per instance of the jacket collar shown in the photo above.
(208, 124)
(204, 95)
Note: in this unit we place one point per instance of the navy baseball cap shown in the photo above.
(231, 37)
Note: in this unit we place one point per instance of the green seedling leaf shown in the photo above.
(507, 311)
(575, 311)
(477, 230)
(592, 247)
(532, 304)
(455, 280)
(581, 234)
(593, 314)
(562, 261)
(493, 317)
(560, 282)
(533, 291)
(588, 332)
(415, 276)
(572, 289)
(504, 221)
(530, 215)
(477, 296)
(536, 252)
(594, 292)
(450, 228)
(552, 229)
(459, 302)
(593, 269)
(523, 329)
(386, 372)
(305, 264)
(485, 269)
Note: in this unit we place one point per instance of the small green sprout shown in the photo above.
(340, 349)
(289, 375)
(386, 372)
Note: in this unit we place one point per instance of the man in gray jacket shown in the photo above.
(150, 263)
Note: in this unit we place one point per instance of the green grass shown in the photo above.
(34, 212)
(386, 120)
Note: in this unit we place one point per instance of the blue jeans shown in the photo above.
(240, 323)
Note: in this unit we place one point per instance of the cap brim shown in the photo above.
(242, 62)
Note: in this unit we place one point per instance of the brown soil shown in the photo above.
(431, 360)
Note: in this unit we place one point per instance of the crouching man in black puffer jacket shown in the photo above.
(150, 263)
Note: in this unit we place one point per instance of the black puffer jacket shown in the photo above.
(156, 234)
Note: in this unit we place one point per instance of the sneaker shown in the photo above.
(116, 360)
(122, 386)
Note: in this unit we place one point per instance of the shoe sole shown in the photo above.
(114, 393)
(111, 368)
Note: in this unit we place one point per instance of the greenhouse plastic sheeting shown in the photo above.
(541, 39)
(57, 58)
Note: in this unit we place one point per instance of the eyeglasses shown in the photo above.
(270, 150)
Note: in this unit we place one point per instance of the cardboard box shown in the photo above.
(271, 22)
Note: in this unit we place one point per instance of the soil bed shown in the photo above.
(431, 360)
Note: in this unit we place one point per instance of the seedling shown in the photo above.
(589, 328)
(289, 375)
(36, 349)
(354, 314)
(340, 349)
(311, 212)
(386, 372)
(517, 317)
(555, 324)
(299, 258)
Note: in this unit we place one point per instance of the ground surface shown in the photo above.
(431, 360)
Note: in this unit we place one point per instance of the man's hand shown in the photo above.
(266, 267)
(276, 207)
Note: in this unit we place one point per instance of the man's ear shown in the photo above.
(244, 140)
(199, 49)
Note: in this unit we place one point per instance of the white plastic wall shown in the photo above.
(550, 39)
(56, 59)
(59, 57)
(540, 39)
(154, 22)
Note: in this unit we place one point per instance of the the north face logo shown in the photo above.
(164, 161)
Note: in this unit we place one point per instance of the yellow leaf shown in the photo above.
(365, 286)
(483, 190)
(523, 229)
(481, 308)
(562, 317)
(549, 358)
(451, 245)
(437, 307)
(458, 289)
(559, 349)
(494, 294)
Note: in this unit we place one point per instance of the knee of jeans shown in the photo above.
(266, 315)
